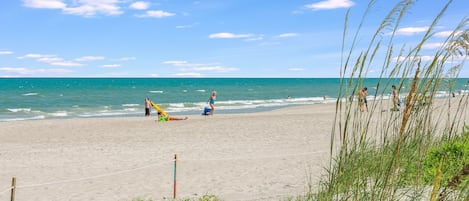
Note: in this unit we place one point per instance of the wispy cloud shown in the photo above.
(330, 4)
(432, 45)
(296, 69)
(140, 5)
(111, 65)
(66, 63)
(48, 4)
(90, 58)
(156, 14)
(286, 35)
(186, 66)
(186, 26)
(443, 34)
(218, 69)
(51, 60)
(126, 59)
(85, 8)
(188, 75)
(35, 56)
(25, 71)
(229, 35)
(411, 30)
(5, 52)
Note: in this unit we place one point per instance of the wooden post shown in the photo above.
(13, 188)
(175, 164)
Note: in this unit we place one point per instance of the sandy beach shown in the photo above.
(254, 156)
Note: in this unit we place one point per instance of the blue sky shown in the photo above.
(201, 38)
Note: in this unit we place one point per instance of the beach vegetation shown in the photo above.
(417, 153)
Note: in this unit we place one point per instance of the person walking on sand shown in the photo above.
(211, 102)
(147, 107)
(395, 99)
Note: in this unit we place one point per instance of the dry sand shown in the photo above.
(255, 156)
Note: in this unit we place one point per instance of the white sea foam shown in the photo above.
(130, 105)
(200, 90)
(156, 92)
(59, 114)
(176, 105)
(25, 118)
(19, 109)
(30, 94)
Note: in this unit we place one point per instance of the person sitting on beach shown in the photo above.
(211, 101)
(162, 118)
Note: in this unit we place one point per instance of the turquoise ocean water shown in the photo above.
(46, 98)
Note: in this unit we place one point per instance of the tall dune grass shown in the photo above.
(384, 155)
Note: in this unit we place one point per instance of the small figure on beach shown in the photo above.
(147, 107)
(162, 118)
(211, 102)
(395, 99)
(362, 99)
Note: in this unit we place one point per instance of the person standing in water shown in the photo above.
(211, 101)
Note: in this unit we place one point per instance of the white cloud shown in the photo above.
(49, 4)
(5, 52)
(285, 35)
(93, 7)
(35, 56)
(156, 14)
(186, 66)
(176, 63)
(188, 75)
(89, 58)
(186, 26)
(444, 34)
(296, 69)
(126, 58)
(330, 4)
(229, 35)
(111, 65)
(25, 71)
(66, 63)
(85, 8)
(258, 38)
(220, 69)
(139, 5)
(432, 45)
(49, 59)
(411, 30)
